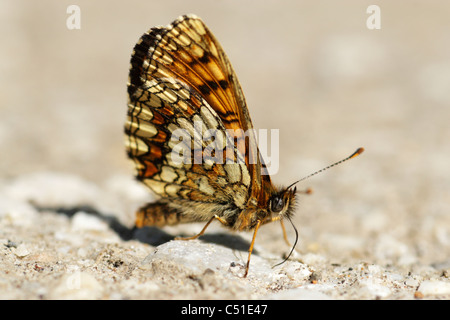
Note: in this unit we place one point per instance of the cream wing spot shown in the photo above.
(240, 195)
(183, 39)
(136, 146)
(175, 164)
(233, 172)
(172, 189)
(199, 124)
(197, 51)
(198, 25)
(168, 174)
(157, 186)
(185, 94)
(155, 102)
(140, 112)
(192, 33)
(170, 96)
(186, 124)
(245, 175)
(172, 127)
(183, 105)
(144, 129)
(209, 119)
(205, 187)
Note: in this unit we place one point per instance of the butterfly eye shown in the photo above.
(277, 204)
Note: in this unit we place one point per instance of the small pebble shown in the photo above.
(22, 251)
(412, 283)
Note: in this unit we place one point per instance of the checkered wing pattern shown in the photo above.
(180, 78)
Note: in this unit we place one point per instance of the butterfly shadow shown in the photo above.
(155, 237)
(151, 235)
(231, 241)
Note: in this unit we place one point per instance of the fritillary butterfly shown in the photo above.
(181, 79)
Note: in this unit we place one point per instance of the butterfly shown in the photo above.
(190, 136)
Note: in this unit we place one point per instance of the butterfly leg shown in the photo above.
(204, 228)
(278, 218)
(250, 250)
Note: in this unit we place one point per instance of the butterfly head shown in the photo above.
(283, 203)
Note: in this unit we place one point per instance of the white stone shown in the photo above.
(193, 256)
(22, 250)
(433, 287)
(296, 270)
(412, 283)
(375, 287)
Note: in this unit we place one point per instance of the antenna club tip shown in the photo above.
(357, 152)
(309, 191)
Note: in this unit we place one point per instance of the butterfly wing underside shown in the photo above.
(180, 78)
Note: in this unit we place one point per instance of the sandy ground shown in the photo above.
(377, 227)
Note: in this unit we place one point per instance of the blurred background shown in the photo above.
(312, 69)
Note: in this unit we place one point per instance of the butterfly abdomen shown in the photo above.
(157, 214)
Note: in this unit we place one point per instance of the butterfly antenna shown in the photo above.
(354, 154)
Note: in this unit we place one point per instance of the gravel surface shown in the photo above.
(56, 245)
(376, 227)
